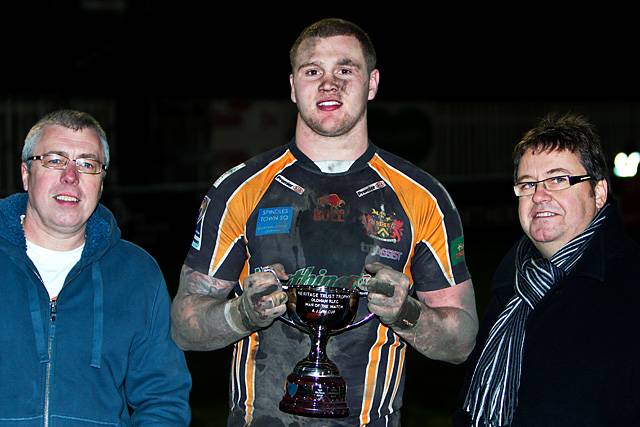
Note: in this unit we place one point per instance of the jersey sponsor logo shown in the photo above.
(383, 227)
(276, 220)
(197, 237)
(227, 174)
(457, 250)
(375, 250)
(305, 277)
(329, 208)
(370, 188)
(289, 184)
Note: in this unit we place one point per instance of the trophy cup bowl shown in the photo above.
(315, 387)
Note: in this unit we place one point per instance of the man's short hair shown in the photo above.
(70, 119)
(331, 27)
(571, 132)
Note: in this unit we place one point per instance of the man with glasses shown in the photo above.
(558, 345)
(84, 328)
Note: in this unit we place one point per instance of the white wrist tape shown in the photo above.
(232, 316)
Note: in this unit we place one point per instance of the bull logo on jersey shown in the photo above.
(381, 226)
(329, 208)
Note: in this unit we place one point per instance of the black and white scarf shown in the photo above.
(493, 393)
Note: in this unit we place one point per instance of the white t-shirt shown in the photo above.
(53, 266)
(334, 166)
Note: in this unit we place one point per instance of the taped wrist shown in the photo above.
(234, 317)
(408, 315)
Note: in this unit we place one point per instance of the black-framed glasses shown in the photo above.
(60, 162)
(554, 183)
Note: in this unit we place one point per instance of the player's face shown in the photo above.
(331, 86)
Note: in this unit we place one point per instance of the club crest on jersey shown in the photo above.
(197, 237)
(329, 208)
(381, 226)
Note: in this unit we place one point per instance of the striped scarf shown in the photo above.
(493, 393)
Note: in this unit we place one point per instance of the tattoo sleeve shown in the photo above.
(198, 320)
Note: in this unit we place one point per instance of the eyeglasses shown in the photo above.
(555, 183)
(60, 162)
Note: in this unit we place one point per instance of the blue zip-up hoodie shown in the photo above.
(101, 355)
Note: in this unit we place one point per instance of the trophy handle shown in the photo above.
(365, 319)
(294, 324)
(286, 318)
(361, 293)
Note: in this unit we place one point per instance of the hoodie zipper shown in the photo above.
(53, 310)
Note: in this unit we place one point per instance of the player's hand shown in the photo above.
(263, 298)
(388, 295)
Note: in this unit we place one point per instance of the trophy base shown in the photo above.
(324, 397)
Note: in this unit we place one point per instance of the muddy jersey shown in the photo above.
(279, 207)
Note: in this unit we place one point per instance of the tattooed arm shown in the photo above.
(203, 318)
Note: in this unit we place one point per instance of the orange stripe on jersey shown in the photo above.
(426, 218)
(240, 205)
(250, 372)
(371, 376)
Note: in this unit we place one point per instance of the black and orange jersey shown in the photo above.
(279, 207)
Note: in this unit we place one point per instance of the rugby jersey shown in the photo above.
(278, 207)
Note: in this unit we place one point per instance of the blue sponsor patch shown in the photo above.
(274, 220)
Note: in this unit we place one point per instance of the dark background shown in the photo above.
(535, 51)
(150, 71)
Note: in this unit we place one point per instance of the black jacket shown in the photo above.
(581, 358)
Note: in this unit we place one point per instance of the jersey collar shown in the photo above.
(308, 164)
